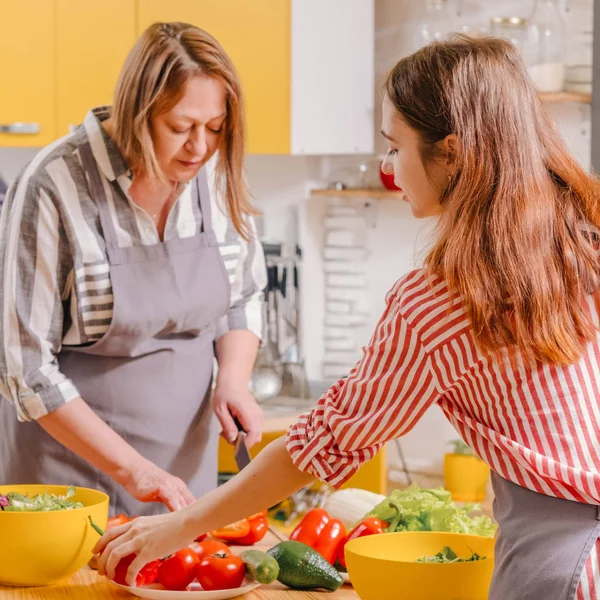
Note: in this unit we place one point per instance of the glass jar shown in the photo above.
(437, 21)
(513, 29)
(547, 46)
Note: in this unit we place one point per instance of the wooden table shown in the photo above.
(88, 585)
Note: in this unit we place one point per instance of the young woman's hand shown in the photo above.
(148, 538)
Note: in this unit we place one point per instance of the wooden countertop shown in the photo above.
(88, 585)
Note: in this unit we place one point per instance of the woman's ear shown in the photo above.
(452, 148)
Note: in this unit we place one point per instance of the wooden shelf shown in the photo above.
(553, 98)
(371, 194)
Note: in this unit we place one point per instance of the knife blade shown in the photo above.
(242, 456)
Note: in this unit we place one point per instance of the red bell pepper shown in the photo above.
(147, 576)
(259, 525)
(232, 532)
(309, 529)
(330, 540)
(368, 526)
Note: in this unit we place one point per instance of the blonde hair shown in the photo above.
(151, 80)
(509, 238)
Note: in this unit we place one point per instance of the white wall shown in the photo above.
(280, 184)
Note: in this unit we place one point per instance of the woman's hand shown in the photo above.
(148, 483)
(232, 400)
(149, 538)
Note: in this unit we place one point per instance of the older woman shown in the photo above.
(129, 256)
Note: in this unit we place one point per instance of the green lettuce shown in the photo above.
(15, 502)
(417, 509)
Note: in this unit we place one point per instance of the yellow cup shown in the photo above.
(465, 477)
(40, 548)
(382, 567)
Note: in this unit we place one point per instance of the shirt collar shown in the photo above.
(105, 151)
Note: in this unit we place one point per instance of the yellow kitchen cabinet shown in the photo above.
(306, 67)
(92, 43)
(256, 36)
(27, 72)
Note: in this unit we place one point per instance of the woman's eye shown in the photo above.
(174, 130)
(392, 152)
(215, 131)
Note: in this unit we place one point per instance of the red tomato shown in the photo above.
(179, 570)
(146, 576)
(220, 572)
(258, 529)
(208, 547)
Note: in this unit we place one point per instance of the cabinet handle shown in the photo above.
(20, 128)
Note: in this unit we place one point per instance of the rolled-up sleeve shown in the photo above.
(35, 266)
(249, 281)
(382, 398)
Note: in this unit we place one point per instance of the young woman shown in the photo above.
(125, 253)
(500, 329)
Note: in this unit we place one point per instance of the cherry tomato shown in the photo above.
(179, 570)
(259, 525)
(220, 572)
(232, 532)
(146, 576)
(208, 547)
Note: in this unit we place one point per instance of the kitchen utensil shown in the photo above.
(382, 566)
(242, 456)
(40, 548)
(193, 592)
(265, 383)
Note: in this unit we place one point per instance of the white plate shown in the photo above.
(157, 592)
(345, 577)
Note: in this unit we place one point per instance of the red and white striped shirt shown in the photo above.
(537, 425)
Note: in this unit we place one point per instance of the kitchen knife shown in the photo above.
(242, 456)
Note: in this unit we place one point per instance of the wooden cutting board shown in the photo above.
(87, 585)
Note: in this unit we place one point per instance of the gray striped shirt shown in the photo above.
(56, 289)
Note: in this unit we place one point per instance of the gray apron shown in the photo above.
(149, 377)
(543, 543)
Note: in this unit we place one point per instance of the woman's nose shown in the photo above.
(386, 166)
(197, 144)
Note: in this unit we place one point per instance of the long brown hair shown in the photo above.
(510, 238)
(162, 60)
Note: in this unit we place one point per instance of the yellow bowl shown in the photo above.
(382, 567)
(40, 548)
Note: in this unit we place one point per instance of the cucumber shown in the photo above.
(260, 566)
(302, 568)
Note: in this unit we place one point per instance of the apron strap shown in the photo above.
(201, 183)
(98, 196)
